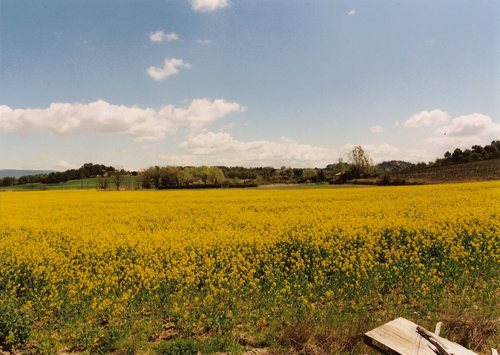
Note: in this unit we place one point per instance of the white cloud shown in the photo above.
(465, 131)
(378, 153)
(171, 67)
(417, 155)
(376, 129)
(387, 152)
(179, 160)
(396, 123)
(201, 112)
(227, 127)
(160, 36)
(208, 5)
(352, 12)
(228, 150)
(204, 41)
(426, 118)
(63, 165)
(100, 117)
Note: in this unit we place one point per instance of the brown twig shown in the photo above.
(430, 337)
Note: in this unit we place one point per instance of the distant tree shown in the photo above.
(466, 156)
(155, 174)
(268, 173)
(480, 151)
(475, 157)
(360, 162)
(297, 173)
(185, 176)
(43, 178)
(309, 174)
(144, 179)
(286, 174)
(341, 165)
(456, 156)
(9, 181)
(203, 172)
(64, 176)
(322, 175)
(102, 183)
(150, 177)
(23, 179)
(492, 151)
(53, 178)
(170, 176)
(216, 176)
(118, 178)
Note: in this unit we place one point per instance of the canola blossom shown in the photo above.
(215, 259)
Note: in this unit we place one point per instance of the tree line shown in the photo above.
(359, 165)
(166, 176)
(86, 171)
(459, 156)
(476, 153)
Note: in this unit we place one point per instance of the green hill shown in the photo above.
(18, 173)
(82, 184)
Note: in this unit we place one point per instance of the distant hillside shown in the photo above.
(18, 173)
(393, 163)
(473, 171)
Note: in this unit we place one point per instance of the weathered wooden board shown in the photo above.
(400, 337)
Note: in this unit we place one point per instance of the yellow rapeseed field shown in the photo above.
(74, 265)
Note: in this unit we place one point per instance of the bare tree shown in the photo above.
(360, 162)
(102, 183)
(118, 178)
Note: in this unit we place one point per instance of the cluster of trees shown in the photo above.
(459, 156)
(117, 177)
(25, 179)
(359, 165)
(270, 174)
(87, 170)
(476, 153)
(161, 177)
(8, 181)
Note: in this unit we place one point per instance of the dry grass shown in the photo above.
(311, 338)
(478, 334)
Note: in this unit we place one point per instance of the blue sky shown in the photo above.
(252, 83)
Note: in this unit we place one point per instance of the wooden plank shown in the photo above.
(400, 337)
(438, 328)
